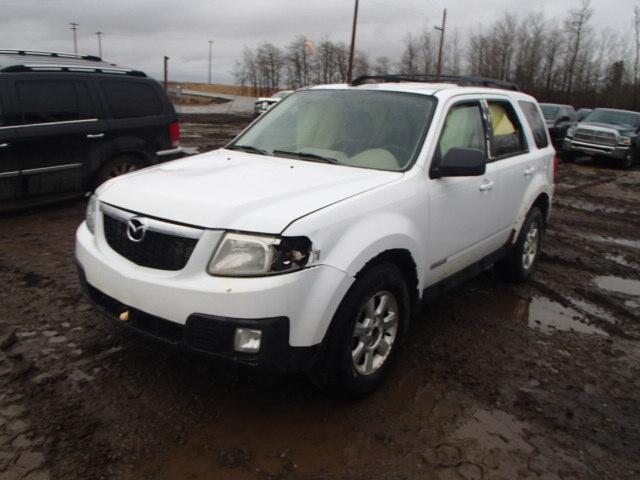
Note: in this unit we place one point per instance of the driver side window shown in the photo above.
(463, 128)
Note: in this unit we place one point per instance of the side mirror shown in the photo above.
(563, 119)
(461, 162)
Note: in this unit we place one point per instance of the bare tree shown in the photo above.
(299, 63)
(576, 26)
(382, 66)
(409, 61)
(565, 63)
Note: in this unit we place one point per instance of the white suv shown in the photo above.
(308, 242)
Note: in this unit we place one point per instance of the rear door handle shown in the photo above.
(95, 135)
(529, 171)
(4, 145)
(486, 186)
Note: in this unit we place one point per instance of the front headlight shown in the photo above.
(244, 255)
(571, 131)
(624, 141)
(92, 211)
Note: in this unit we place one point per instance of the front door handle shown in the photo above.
(529, 171)
(4, 145)
(95, 135)
(486, 186)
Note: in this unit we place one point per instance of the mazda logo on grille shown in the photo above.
(136, 229)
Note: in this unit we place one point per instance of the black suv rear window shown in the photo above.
(130, 99)
(54, 101)
(536, 123)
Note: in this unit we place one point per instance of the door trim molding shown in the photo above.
(55, 168)
(48, 124)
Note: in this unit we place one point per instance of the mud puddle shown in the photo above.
(621, 285)
(621, 260)
(545, 315)
(588, 206)
(623, 242)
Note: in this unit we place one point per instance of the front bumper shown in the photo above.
(211, 335)
(616, 152)
(303, 302)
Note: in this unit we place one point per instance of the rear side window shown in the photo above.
(536, 123)
(131, 99)
(54, 101)
(507, 137)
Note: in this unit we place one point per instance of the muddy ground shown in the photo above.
(535, 381)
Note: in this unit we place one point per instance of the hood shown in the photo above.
(607, 126)
(238, 191)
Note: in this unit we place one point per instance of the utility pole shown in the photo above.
(353, 44)
(441, 30)
(210, 44)
(99, 34)
(74, 27)
(166, 70)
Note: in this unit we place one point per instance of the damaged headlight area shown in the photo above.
(246, 255)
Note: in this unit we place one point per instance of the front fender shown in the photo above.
(352, 232)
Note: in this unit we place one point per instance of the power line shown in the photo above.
(441, 30)
(210, 46)
(353, 43)
(74, 27)
(99, 34)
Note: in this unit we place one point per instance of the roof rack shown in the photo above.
(51, 67)
(458, 80)
(50, 54)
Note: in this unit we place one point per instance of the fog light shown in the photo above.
(247, 340)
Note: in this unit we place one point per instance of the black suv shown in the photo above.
(70, 122)
(559, 118)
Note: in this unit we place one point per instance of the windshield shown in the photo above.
(630, 120)
(370, 129)
(282, 94)
(549, 111)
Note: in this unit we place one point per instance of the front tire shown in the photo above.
(522, 261)
(628, 160)
(365, 334)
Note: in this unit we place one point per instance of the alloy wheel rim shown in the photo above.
(122, 168)
(531, 242)
(375, 333)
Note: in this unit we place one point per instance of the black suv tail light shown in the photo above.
(174, 133)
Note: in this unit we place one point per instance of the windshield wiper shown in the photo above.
(248, 148)
(308, 155)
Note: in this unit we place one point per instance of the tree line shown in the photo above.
(563, 60)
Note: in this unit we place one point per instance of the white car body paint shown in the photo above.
(350, 214)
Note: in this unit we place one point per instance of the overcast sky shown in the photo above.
(138, 33)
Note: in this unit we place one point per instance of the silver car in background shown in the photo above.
(265, 103)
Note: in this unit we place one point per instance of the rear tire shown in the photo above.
(120, 165)
(523, 259)
(363, 340)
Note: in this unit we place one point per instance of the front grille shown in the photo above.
(158, 250)
(595, 136)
